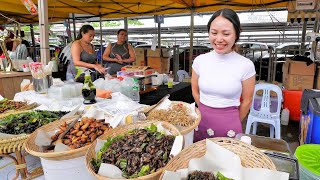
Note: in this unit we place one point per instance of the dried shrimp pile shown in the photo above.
(177, 114)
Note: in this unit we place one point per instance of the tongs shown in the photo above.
(142, 115)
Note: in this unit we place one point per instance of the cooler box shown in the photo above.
(312, 122)
(292, 100)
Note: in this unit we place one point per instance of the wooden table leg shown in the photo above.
(22, 166)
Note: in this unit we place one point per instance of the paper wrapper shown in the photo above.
(218, 159)
(113, 172)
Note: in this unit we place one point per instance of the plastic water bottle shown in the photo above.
(285, 116)
(135, 91)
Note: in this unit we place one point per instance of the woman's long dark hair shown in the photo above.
(122, 30)
(232, 16)
(84, 29)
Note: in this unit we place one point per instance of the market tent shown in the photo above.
(59, 9)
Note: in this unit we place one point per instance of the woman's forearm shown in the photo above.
(244, 109)
(196, 97)
(84, 64)
(109, 59)
(129, 60)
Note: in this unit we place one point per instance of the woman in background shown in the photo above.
(83, 55)
(119, 54)
(220, 77)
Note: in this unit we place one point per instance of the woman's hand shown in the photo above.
(99, 68)
(119, 59)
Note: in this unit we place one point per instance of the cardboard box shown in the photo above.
(298, 68)
(161, 65)
(297, 82)
(317, 82)
(140, 57)
(139, 51)
(158, 53)
(137, 70)
(140, 61)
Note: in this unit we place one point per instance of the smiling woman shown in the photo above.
(220, 77)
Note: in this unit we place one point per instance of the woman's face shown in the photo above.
(122, 36)
(88, 37)
(222, 35)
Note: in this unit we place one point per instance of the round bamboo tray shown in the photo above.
(120, 131)
(12, 143)
(185, 130)
(250, 156)
(17, 111)
(35, 150)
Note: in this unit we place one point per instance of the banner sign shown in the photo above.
(32, 8)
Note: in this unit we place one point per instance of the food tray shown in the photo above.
(120, 131)
(249, 155)
(185, 130)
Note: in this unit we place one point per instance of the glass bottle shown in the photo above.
(88, 90)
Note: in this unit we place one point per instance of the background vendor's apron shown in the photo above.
(220, 120)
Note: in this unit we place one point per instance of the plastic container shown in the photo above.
(285, 113)
(135, 91)
(66, 169)
(313, 131)
(292, 100)
(246, 139)
(308, 156)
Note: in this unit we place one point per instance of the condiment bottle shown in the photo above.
(88, 90)
(170, 80)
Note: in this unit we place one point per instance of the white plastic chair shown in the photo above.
(182, 74)
(264, 115)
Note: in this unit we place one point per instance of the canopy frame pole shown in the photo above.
(101, 39)
(33, 42)
(303, 36)
(125, 22)
(159, 34)
(191, 40)
(44, 31)
(74, 26)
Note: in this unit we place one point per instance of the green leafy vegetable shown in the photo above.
(222, 177)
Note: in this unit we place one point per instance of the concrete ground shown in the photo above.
(289, 133)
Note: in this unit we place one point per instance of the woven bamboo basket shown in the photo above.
(120, 131)
(12, 143)
(250, 156)
(17, 111)
(35, 150)
(185, 130)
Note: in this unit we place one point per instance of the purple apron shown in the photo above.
(216, 122)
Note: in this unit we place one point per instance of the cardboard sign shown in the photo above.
(32, 8)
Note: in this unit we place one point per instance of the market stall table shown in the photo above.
(179, 92)
(10, 82)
